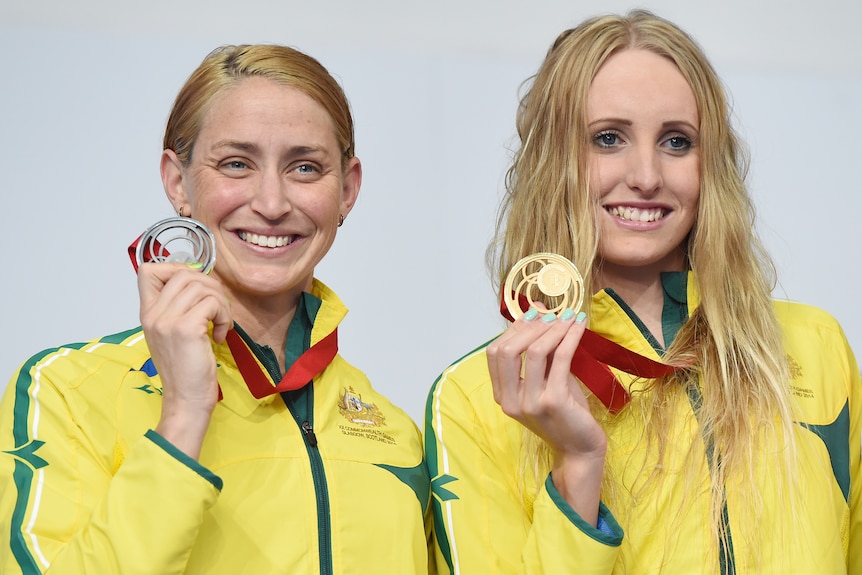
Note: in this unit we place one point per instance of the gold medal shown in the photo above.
(545, 278)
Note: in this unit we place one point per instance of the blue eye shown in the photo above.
(606, 139)
(679, 143)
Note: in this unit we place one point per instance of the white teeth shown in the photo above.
(266, 241)
(637, 214)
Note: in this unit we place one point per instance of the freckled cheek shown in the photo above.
(328, 198)
(218, 195)
(324, 210)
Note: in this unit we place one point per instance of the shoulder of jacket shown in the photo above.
(463, 387)
(793, 314)
(470, 371)
(72, 363)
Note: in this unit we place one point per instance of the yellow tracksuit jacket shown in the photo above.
(490, 517)
(86, 486)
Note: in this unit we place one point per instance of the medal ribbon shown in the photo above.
(309, 364)
(133, 249)
(593, 357)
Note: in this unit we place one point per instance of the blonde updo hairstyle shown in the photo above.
(229, 65)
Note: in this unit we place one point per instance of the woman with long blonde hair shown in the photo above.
(743, 454)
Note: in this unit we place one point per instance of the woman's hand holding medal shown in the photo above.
(179, 304)
(530, 367)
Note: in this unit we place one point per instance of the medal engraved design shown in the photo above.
(545, 278)
(178, 239)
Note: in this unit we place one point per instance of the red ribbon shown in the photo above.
(309, 364)
(148, 254)
(592, 358)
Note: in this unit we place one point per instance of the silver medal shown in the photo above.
(177, 239)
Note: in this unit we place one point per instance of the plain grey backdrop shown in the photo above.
(87, 85)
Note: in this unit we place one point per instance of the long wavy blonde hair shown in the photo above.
(732, 341)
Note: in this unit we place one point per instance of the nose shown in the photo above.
(644, 170)
(272, 197)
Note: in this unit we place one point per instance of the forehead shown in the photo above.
(633, 82)
(258, 106)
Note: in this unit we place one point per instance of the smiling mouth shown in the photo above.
(267, 241)
(631, 214)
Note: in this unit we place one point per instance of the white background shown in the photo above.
(87, 85)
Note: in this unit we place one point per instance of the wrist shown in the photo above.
(185, 427)
(578, 479)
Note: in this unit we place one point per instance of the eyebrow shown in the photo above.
(249, 147)
(665, 125)
(245, 146)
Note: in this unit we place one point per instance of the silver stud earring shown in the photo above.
(340, 220)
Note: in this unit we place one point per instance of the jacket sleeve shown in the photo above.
(71, 499)
(854, 557)
(486, 518)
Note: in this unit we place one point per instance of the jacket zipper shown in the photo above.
(321, 492)
(309, 433)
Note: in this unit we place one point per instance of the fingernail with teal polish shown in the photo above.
(531, 315)
(581, 317)
(568, 313)
(549, 317)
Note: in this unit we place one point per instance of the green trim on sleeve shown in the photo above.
(589, 530)
(26, 460)
(118, 338)
(23, 477)
(432, 462)
(836, 437)
(172, 450)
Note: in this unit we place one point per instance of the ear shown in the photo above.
(172, 179)
(352, 180)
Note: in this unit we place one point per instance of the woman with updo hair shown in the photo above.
(225, 434)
